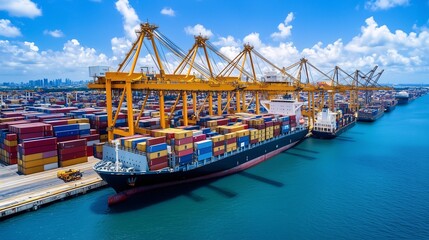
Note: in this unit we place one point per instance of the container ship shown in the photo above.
(330, 124)
(403, 97)
(389, 104)
(370, 113)
(220, 147)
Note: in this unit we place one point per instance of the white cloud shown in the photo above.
(7, 29)
(375, 5)
(227, 41)
(25, 59)
(168, 11)
(129, 15)
(253, 39)
(54, 33)
(198, 30)
(20, 8)
(284, 28)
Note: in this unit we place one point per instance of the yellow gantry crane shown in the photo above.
(192, 77)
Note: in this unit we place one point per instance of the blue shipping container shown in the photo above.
(204, 156)
(156, 148)
(66, 133)
(185, 159)
(66, 127)
(84, 132)
(203, 144)
(203, 151)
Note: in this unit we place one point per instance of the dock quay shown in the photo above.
(21, 193)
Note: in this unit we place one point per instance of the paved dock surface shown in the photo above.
(23, 192)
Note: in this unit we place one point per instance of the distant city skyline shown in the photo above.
(61, 39)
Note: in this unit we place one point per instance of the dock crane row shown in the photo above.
(228, 84)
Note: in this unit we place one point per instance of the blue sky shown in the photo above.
(61, 38)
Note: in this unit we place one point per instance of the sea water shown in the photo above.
(372, 182)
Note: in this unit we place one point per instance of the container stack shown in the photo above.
(243, 138)
(90, 141)
(66, 132)
(183, 146)
(269, 130)
(230, 142)
(218, 145)
(37, 155)
(203, 149)
(285, 124)
(9, 148)
(31, 130)
(254, 136)
(72, 152)
(156, 149)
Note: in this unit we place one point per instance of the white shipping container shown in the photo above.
(84, 126)
(91, 143)
(50, 166)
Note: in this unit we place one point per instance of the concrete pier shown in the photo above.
(19, 193)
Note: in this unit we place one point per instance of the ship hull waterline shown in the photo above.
(237, 162)
(331, 135)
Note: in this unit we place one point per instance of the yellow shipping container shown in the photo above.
(141, 146)
(277, 127)
(157, 154)
(32, 157)
(219, 148)
(10, 143)
(231, 149)
(253, 137)
(230, 135)
(211, 123)
(244, 132)
(31, 170)
(73, 161)
(182, 134)
(103, 137)
(38, 162)
(183, 147)
(218, 138)
(231, 145)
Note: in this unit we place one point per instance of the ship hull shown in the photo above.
(402, 100)
(331, 135)
(236, 162)
(370, 118)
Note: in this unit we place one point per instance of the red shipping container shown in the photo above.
(253, 141)
(27, 128)
(184, 152)
(11, 137)
(183, 141)
(200, 137)
(71, 150)
(30, 143)
(91, 137)
(218, 144)
(67, 138)
(57, 122)
(231, 140)
(268, 124)
(70, 156)
(31, 135)
(72, 144)
(159, 166)
(222, 121)
(89, 151)
(40, 149)
(10, 149)
(154, 141)
(217, 153)
(157, 161)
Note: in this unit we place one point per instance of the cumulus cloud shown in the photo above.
(7, 29)
(375, 5)
(20, 8)
(129, 16)
(168, 11)
(54, 33)
(253, 39)
(198, 30)
(26, 59)
(284, 28)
